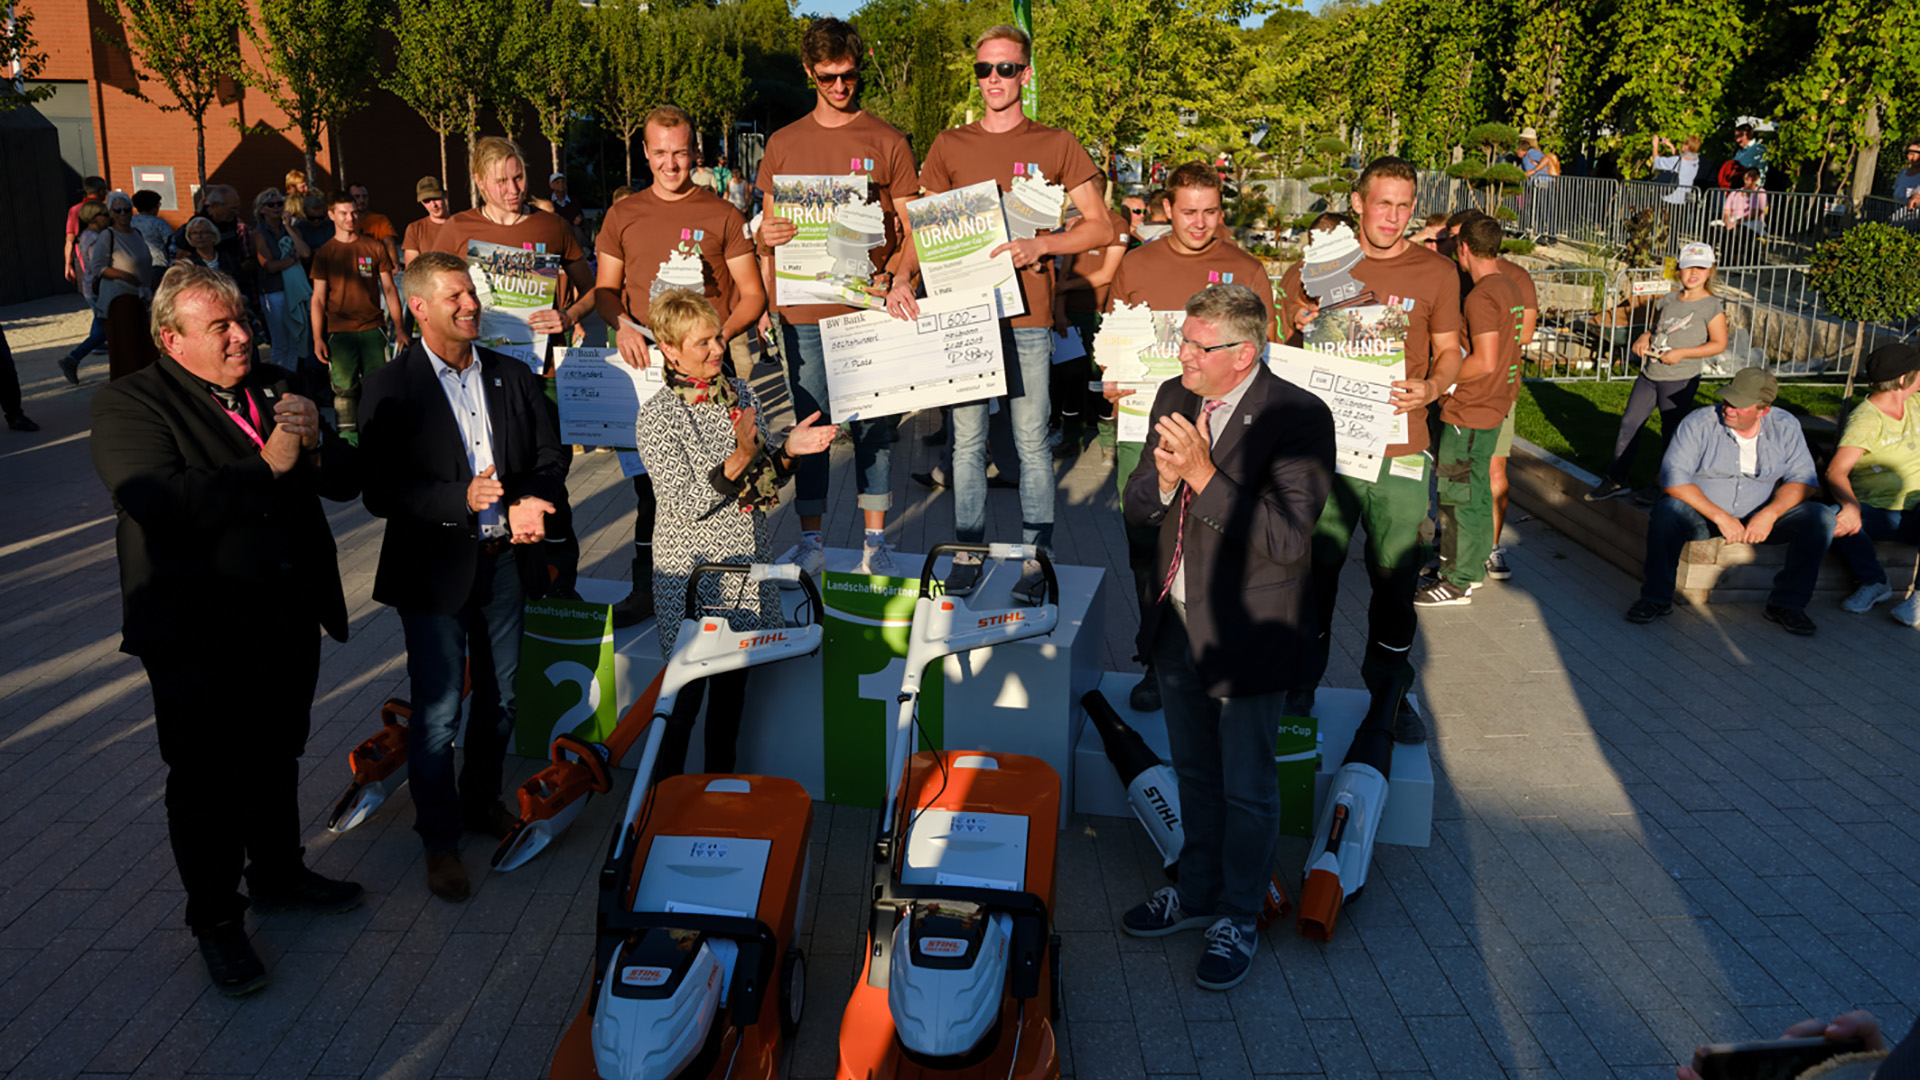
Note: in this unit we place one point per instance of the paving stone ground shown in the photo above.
(1645, 837)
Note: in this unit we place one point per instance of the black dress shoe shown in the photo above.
(308, 892)
(1145, 695)
(21, 422)
(634, 610)
(1793, 619)
(562, 592)
(232, 964)
(1408, 727)
(934, 480)
(492, 821)
(446, 878)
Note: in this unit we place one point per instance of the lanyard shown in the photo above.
(252, 430)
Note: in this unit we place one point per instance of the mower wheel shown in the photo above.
(1053, 975)
(793, 991)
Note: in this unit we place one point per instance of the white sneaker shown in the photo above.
(808, 555)
(1865, 597)
(876, 559)
(1908, 611)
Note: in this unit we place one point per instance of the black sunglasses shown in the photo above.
(1007, 69)
(826, 79)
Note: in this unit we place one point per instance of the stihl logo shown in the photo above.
(762, 639)
(643, 976)
(1001, 620)
(944, 946)
(1159, 802)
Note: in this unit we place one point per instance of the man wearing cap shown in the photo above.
(1744, 469)
(420, 234)
(563, 203)
(1875, 477)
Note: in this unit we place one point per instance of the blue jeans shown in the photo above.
(488, 631)
(96, 338)
(1029, 353)
(1229, 797)
(872, 439)
(1876, 524)
(1806, 529)
(285, 351)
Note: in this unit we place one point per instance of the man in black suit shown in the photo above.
(226, 568)
(1242, 464)
(463, 461)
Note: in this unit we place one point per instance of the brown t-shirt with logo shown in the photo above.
(1091, 301)
(968, 155)
(1163, 277)
(352, 273)
(1522, 283)
(865, 146)
(1407, 299)
(1494, 306)
(683, 243)
(539, 232)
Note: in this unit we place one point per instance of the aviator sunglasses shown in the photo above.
(1006, 69)
(825, 79)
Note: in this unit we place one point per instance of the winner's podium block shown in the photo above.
(824, 720)
(1408, 819)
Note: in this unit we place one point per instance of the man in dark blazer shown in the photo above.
(1242, 463)
(227, 568)
(463, 461)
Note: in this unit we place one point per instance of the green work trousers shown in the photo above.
(1466, 502)
(1391, 508)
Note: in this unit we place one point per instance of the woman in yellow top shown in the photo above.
(1875, 477)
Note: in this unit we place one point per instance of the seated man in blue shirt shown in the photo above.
(1743, 469)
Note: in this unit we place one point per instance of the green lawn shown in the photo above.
(1579, 421)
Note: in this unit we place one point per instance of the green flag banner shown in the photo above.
(566, 679)
(863, 663)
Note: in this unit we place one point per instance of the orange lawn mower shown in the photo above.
(961, 969)
(703, 889)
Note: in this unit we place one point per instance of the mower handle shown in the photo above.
(996, 552)
(756, 572)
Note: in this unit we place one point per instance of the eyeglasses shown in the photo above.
(276, 203)
(1006, 69)
(825, 78)
(1136, 211)
(1188, 343)
(120, 210)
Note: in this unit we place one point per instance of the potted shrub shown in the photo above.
(1871, 274)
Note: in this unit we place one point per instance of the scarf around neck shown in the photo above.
(760, 483)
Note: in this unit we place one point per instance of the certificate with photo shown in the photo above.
(878, 365)
(1145, 349)
(513, 283)
(830, 259)
(954, 233)
(1357, 391)
(600, 395)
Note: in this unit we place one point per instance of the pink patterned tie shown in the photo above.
(1186, 496)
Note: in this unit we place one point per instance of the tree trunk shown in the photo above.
(626, 159)
(558, 145)
(200, 146)
(1868, 160)
(440, 137)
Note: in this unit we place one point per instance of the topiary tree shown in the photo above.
(1326, 171)
(1495, 180)
(1871, 274)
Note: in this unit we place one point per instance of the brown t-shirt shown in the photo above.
(420, 234)
(1163, 277)
(682, 243)
(866, 146)
(352, 273)
(539, 232)
(1522, 283)
(1494, 306)
(968, 155)
(376, 226)
(1408, 298)
(1089, 301)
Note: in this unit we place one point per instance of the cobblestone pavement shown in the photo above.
(1646, 837)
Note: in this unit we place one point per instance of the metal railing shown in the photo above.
(1579, 209)
(1590, 318)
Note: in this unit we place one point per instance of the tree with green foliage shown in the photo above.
(188, 46)
(1869, 275)
(638, 50)
(1669, 67)
(317, 61)
(21, 54)
(710, 80)
(554, 66)
(1494, 178)
(1859, 79)
(447, 60)
(1549, 69)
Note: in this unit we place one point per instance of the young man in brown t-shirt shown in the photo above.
(351, 272)
(1412, 299)
(1000, 146)
(1472, 415)
(505, 217)
(419, 236)
(670, 235)
(836, 138)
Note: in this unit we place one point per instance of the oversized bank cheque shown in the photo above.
(830, 259)
(512, 284)
(1358, 393)
(878, 365)
(600, 395)
(1140, 349)
(954, 234)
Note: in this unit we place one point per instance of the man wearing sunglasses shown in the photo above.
(836, 138)
(1001, 146)
(1161, 277)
